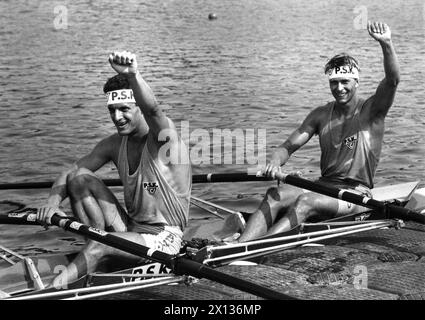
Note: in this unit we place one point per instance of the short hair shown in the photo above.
(341, 59)
(117, 82)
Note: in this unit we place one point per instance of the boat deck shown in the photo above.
(385, 264)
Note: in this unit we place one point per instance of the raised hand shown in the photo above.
(379, 31)
(123, 62)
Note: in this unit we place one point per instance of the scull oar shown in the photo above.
(197, 178)
(390, 210)
(48, 184)
(178, 264)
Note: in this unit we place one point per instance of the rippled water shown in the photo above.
(259, 65)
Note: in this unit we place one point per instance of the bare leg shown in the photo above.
(307, 205)
(90, 257)
(93, 203)
(276, 201)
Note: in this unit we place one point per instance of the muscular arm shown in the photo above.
(297, 139)
(385, 93)
(99, 156)
(125, 63)
(146, 100)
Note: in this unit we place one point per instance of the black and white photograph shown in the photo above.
(205, 156)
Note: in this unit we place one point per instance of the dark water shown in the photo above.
(259, 65)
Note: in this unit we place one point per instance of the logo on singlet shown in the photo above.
(151, 187)
(350, 142)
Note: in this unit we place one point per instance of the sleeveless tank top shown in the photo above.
(351, 158)
(148, 197)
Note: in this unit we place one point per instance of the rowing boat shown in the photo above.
(24, 278)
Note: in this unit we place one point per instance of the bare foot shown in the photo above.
(232, 225)
(232, 239)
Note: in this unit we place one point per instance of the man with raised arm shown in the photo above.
(350, 131)
(153, 165)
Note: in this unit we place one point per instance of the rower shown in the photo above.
(153, 165)
(350, 131)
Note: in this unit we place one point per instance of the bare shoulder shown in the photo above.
(111, 141)
(109, 146)
(168, 147)
(172, 158)
(319, 114)
(171, 124)
(167, 136)
(103, 152)
(169, 133)
(323, 109)
(366, 113)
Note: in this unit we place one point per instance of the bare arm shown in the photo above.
(386, 90)
(99, 156)
(126, 63)
(296, 140)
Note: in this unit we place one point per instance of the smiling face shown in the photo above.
(343, 74)
(343, 90)
(127, 118)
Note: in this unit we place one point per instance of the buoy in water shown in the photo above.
(212, 16)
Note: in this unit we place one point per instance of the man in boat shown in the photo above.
(350, 131)
(153, 165)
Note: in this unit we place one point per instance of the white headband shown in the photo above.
(120, 96)
(344, 72)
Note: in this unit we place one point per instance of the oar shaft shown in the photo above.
(202, 271)
(227, 177)
(48, 184)
(179, 265)
(26, 185)
(394, 210)
(198, 178)
(390, 209)
(111, 240)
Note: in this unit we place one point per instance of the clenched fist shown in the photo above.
(123, 62)
(379, 31)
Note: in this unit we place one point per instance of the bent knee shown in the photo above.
(96, 250)
(282, 195)
(79, 179)
(305, 206)
(79, 172)
(273, 194)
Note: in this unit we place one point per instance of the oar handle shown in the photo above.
(27, 217)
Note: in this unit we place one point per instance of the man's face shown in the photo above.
(126, 117)
(343, 89)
